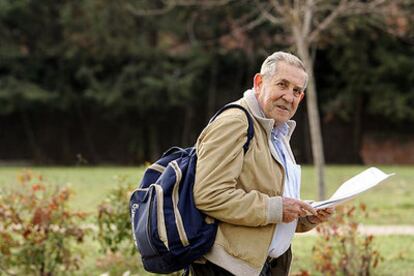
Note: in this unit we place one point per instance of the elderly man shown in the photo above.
(255, 196)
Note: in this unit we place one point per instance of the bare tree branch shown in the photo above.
(296, 5)
(370, 7)
(254, 14)
(254, 23)
(265, 12)
(245, 24)
(307, 20)
(327, 21)
(279, 7)
(190, 29)
(150, 12)
(171, 4)
(205, 3)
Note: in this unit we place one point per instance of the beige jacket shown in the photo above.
(242, 191)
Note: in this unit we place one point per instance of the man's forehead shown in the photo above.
(292, 79)
(290, 73)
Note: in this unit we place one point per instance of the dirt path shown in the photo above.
(380, 230)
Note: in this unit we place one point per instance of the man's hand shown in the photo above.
(322, 215)
(294, 208)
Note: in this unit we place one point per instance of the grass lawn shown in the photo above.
(90, 184)
(397, 251)
(391, 202)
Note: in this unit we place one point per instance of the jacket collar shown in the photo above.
(257, 112)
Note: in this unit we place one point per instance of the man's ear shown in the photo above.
(302, 95)
(257, 82)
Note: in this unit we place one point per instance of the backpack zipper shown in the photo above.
(149, 221)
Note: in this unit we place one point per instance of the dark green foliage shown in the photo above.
(93, 77)
(370, 68)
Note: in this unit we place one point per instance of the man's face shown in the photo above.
(279, 95)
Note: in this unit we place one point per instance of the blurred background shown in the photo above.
(118, 82)
(93, 90)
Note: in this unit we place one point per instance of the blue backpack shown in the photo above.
(169, 231)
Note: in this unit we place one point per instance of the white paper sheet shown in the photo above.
(353, 187)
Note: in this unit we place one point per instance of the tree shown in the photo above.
(304, 23)
(86, 76)
(375, 87)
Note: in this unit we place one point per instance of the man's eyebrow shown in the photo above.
(287, 81)
(284, 80)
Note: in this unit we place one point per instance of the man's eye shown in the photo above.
(297, 92)
(281, 84)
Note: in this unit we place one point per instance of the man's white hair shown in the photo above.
(269, 66)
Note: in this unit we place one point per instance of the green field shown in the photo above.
(90, 184)
(397, 251)
(389, 203)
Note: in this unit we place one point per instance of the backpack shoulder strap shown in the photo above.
(250, 130)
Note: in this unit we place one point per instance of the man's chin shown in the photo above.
(280, 118)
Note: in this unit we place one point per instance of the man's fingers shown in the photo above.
(321, 212)
(329, 209)
(307, 208)
(326, 211)
(303, 212)
(294, 208)
(322, 215)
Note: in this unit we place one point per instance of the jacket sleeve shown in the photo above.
(220, 162)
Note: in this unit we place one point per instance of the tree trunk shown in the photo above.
(306, 135)
(186, 134)
(313, 113)
(154, 149)
(212, 91)
(87, 134)
(36, 150)
(357, 135)
(66, 154)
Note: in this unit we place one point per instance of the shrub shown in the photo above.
(37, 231)
(115, 234)
(119, 255)
(340, 249)
(114, 226)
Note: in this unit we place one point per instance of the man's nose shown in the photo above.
(288, 96)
